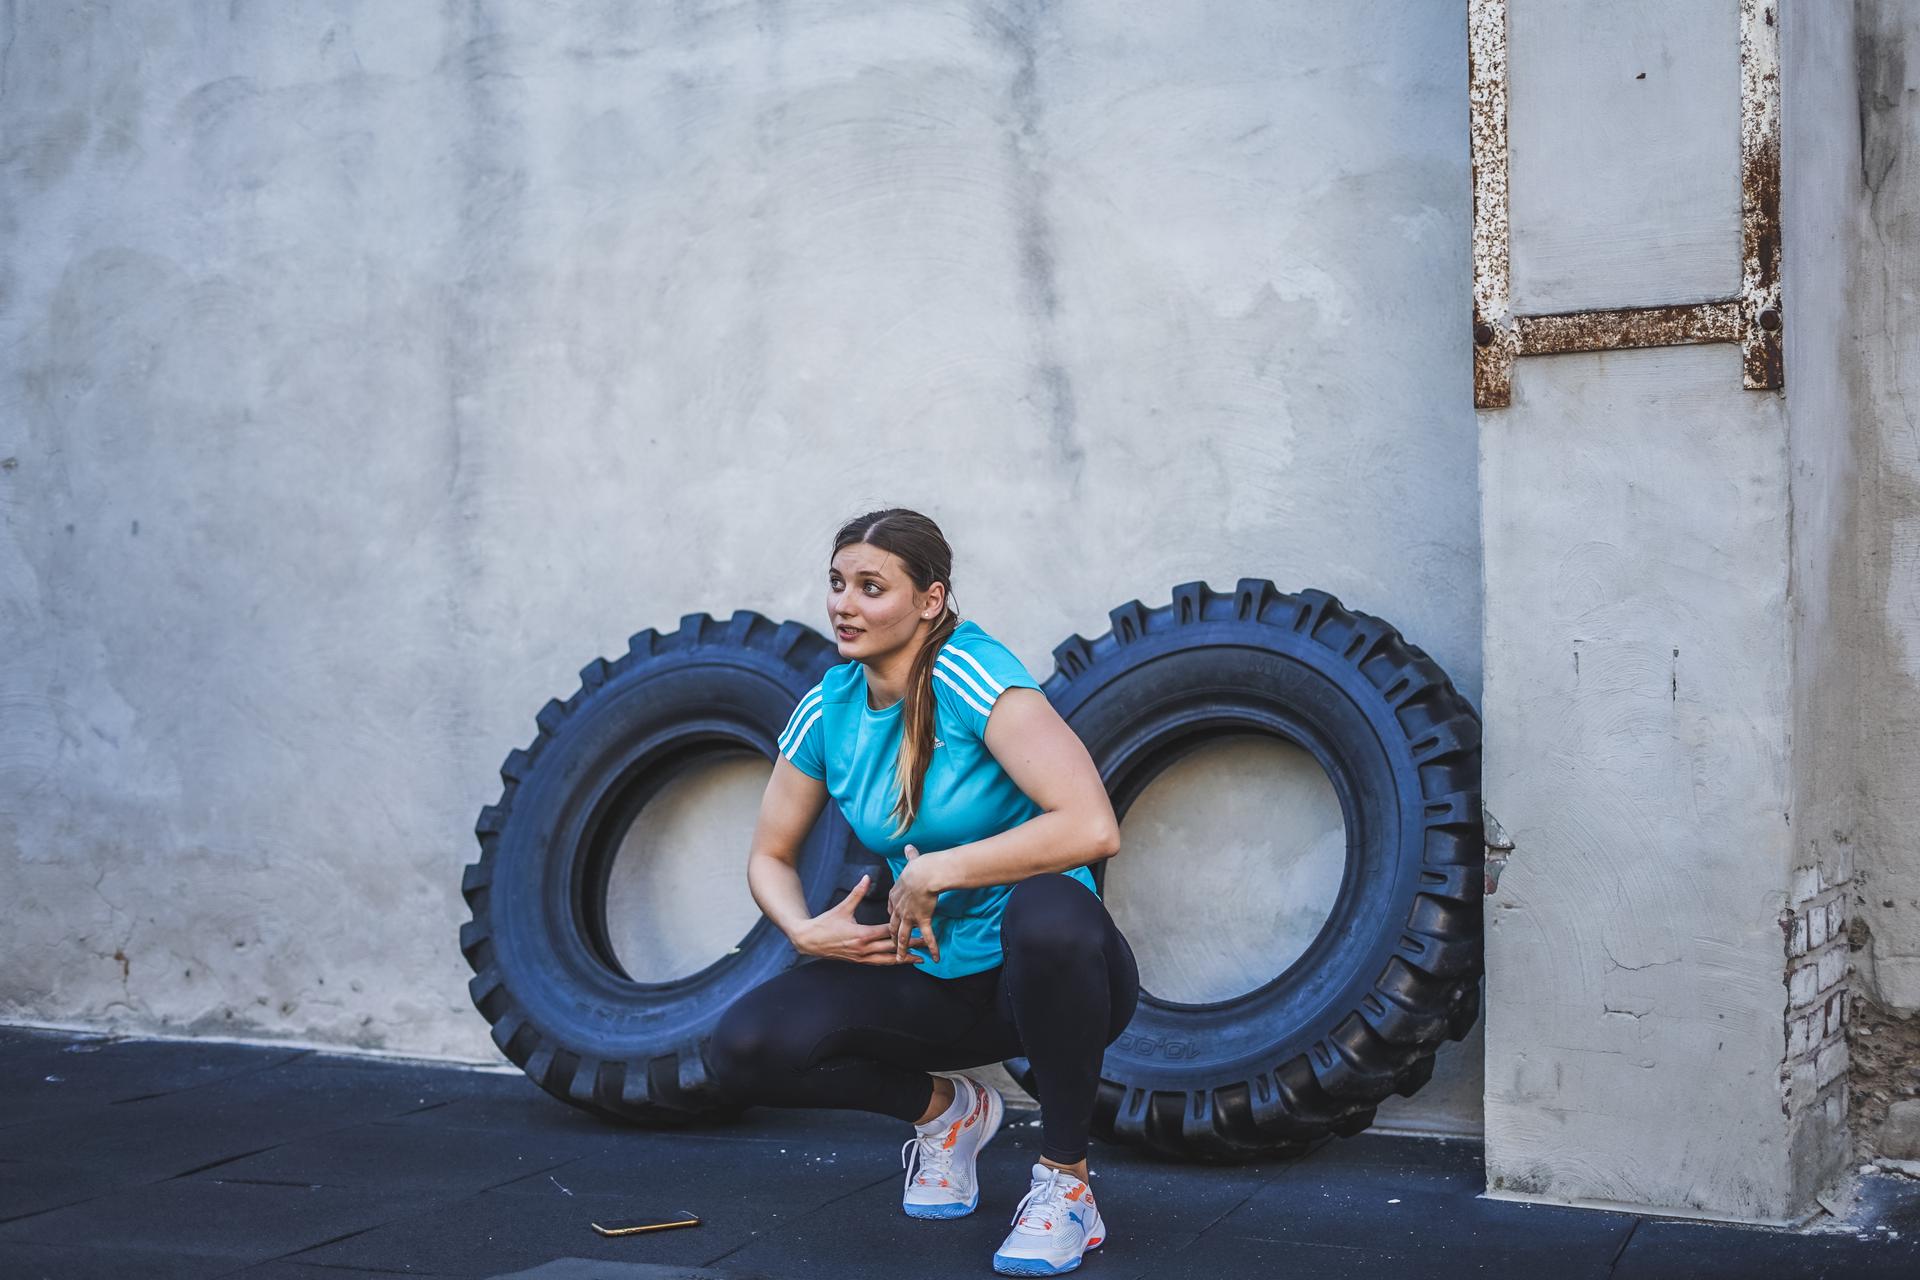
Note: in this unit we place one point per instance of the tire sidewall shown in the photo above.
(618, 747)
(1166, 694)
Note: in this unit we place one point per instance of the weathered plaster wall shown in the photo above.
(1820, 197)
(1637, 704)
(368, 368)
(1883, 626)
(1669, 721)
(1619, 154)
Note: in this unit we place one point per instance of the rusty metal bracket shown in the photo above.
(1499, 849)
(1494, 341)
(1753, 319)
(1760, 317)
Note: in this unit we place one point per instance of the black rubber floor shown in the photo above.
(166, 1159)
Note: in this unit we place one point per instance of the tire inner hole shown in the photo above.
(1231, 862)
(677, 896)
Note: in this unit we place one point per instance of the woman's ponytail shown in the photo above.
(916, 731)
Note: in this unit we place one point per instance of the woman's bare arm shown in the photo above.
(788, 808)
(1046, 760)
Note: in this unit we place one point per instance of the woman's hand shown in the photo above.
(835, 935)
(910, 907)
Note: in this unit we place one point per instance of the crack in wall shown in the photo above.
(1613, 963)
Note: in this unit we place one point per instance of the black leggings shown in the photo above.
(862, 1037)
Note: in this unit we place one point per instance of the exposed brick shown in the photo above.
(1817, 926)
(1833, 967)
(1801, 1087)
(1798, 946)
(1831, 1063)
(1835, 1014)
(1798, 1038)
(1803, 985)
(1806, 884)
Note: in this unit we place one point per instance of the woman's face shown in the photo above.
(872, 605)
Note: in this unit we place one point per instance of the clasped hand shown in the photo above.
(835, 933)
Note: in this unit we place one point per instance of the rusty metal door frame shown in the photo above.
(1752, 319)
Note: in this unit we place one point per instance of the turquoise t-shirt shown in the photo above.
(835, 735)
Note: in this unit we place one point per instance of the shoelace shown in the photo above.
(926, 1159)
(1044, 1204)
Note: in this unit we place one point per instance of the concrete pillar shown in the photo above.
(1666, 956)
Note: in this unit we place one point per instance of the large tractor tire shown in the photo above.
(545, 973)
(1395, 970)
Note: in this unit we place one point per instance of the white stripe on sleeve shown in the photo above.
(954, 669)
(801, 736)
(974, 662)
(808, 706)
(940, 674)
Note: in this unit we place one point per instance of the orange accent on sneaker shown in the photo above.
(978, 1112)
(1093, 1242)
(1077, 1192)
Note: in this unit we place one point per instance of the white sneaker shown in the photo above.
(1054, 1224)
(941, 1179)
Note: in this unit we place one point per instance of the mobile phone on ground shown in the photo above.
(634, 1226)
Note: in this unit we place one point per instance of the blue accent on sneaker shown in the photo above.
(943, 1210)
(1030, 1266)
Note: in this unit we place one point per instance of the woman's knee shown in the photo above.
(1052, 917)
(744, 1049)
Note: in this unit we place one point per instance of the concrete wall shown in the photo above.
(1820, 196)
(1620, 159)
(1637, 700)
(1881, 625)
(1670, 719)
(368, 368)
